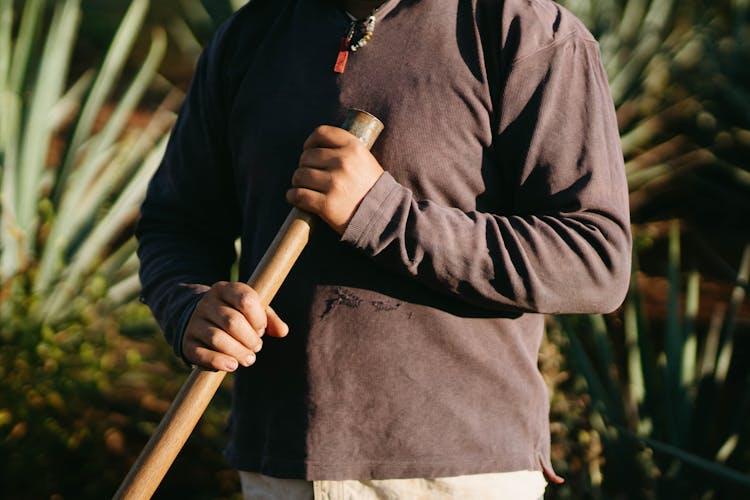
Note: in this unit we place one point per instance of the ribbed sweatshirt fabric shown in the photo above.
(413, 338)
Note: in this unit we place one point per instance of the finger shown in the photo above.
(233, 322)
(221, 342)
(243, 298)
(198, 354)
(276, 326)
(320, 158)
(212, 360)
(312, 178)
(327, 136)
(306, 199)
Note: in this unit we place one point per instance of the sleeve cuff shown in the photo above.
(375, 211)
(182, 323)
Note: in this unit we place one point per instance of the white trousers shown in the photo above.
(520, 485)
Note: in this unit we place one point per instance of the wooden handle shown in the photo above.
(199, 388)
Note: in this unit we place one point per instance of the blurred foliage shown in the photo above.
(576, 448)
(681, 84)
(188, 23)
(73, 169)
(670, 408)
(79, 402)
(666, 416)
(84, 381)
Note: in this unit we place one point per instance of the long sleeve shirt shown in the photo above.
(413, 337)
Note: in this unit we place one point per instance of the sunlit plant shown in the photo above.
(679, 79)
(70, 185)
(73, 171)
(673, 417)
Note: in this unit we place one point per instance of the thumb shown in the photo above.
(275, 326)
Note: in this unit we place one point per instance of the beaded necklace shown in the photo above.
(359, 33)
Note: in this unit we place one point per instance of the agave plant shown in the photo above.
(679, 79)
(678, 75)
(65, 214)
(73, 171)
(672, 410)
(82, 374)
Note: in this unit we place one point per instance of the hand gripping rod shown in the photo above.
(201, 385)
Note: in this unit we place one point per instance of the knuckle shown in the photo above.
(309, 156)
(301, 178)
(337, 183)
(231, 323)
(216, 290)
(339, 162)
(248, 299)
(213, 338)
(198, 357)
(296, 177)
(218, 286)
(298, 197)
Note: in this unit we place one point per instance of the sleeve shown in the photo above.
(565, 246)
(190, 216)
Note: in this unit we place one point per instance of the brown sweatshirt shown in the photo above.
(414, 337)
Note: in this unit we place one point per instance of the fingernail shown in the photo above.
(250, 360)
(231, 365)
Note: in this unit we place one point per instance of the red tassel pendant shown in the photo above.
(343, 56)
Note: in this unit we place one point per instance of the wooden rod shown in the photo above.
(201, 385)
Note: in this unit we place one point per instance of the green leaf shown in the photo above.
(6, 28)
(37, 133)
(91, 251)
(99, 174)
(721, 472)
(103, 85)
(690, 346)
(674, 344)
(30, 21)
